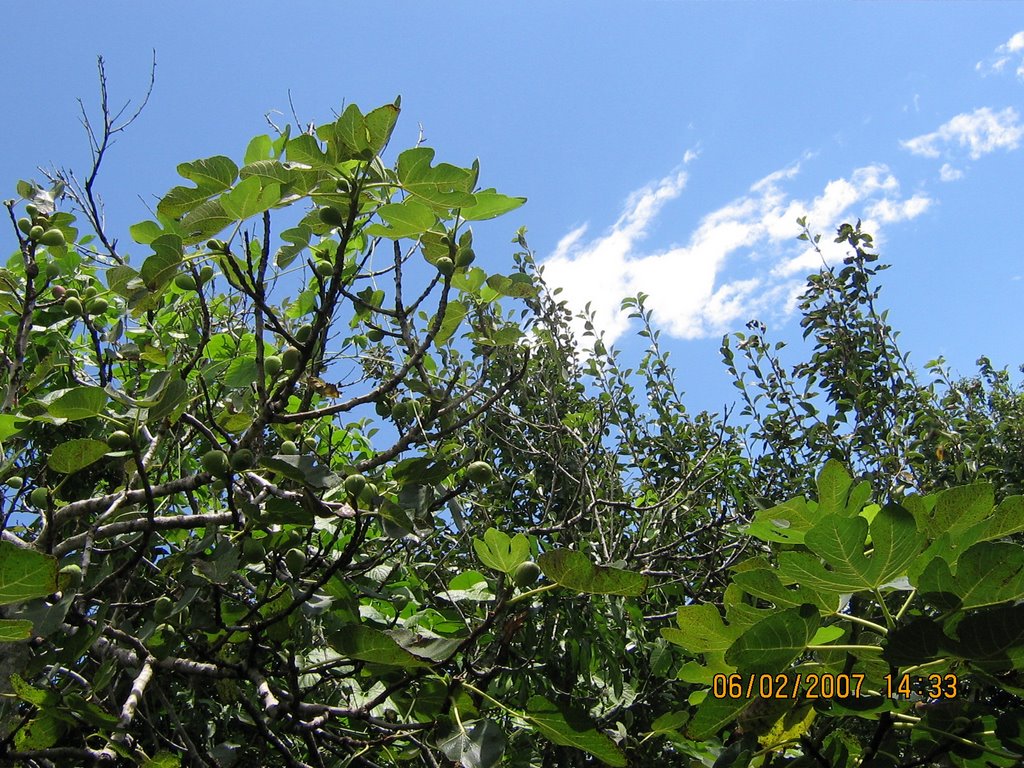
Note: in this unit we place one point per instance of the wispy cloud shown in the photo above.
(1009, 53)
(980, 132)
(741, 261)
(948, 173)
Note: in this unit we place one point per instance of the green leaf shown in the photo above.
(305, 149)
(204, 221)
(443, 186)
(380, 124)
(489, 204)
(986, 574)
(834, 484)
(371, 645)
(454, 313)
(574, 570)
(241, 373)
(569, 728)
(1006, 519)
(15, 630)
(213, 174)
(76, 454)
(762, 581)
(145, 232)
(174, 393)
(351, 131)
(260, 148)
(957, 509)
(992, 638)
(79, 403)
(302, 469)
(245, 200)
(500, 551)
(160, 268)
(518, 285)
(785, 523)
(713, 715)
(770, 645)
(162, 760)
(25, 574)
(10, 425)
(41, 732)
(840, 542)
(474, 744)
(701, 629)
(406, 219)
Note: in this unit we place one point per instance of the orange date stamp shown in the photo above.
(826, 685)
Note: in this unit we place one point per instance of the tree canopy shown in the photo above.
(299, 483)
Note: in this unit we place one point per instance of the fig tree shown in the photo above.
(98, 306)
(162, 608)
(242, 459)
(35, 232)
(445, 266)
(464, 257)
(72, 305)
(526, 574)
(15, 481)
(205, 273)
(289, 448)
(303, 332)
(40, 497)
(25, 224)
(295, 559)
(185, 281)
(375, 334)
(324, 268)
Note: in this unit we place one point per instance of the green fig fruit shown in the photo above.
(40, 497)
(70, 575)
(332, 217)
(303, 332)
(162, 608)
(354, 485)
(205, 273)
(89, 292)
(31, 210)
(290, 358)
(25, 224)
(480, 472)
(15, 481)
(216, 462)
(98, 306)
(375, 335)
(53, 237)
(119, 440)
(464, 257)
(295, 559)
(272, 365)
(289, 448)
(72, 293)
(252, 550)
(185, 281)
(72, 305)
(35, 232)
(445, 266)
(217, 246)
(324, 268)
(526, 574)
(242, 459)
(59, 291)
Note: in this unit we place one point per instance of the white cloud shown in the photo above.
(741, 261)
(981, 131)
(1011, 50)
(948, 173)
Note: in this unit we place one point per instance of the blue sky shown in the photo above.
(665, 147)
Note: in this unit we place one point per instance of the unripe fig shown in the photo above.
(295, 559)
(292, 538)
(58, 291)
(272, 365)
(98, 306)
(354, 485)
(25, 224)
(89, 292)
(53, 237)
(303, 332)
(35, 232)
(31, 210)
(290, 358)
(40, 497)
(70, 575)
(119, 440)
(15, 481)
(289, 448)
(332, 217)
(72, 305)
(205, 273)
(218, 246)
(216, 462)
(72, 293)
(162, 608)
(526, 574)
(324, 268)
(464, 257)
(52, 270)
(480, 472)
(242, 459)
(375, 334)
(445, 266)
(185, 281)
(252, 550)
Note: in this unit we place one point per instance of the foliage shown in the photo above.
(305, 485)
